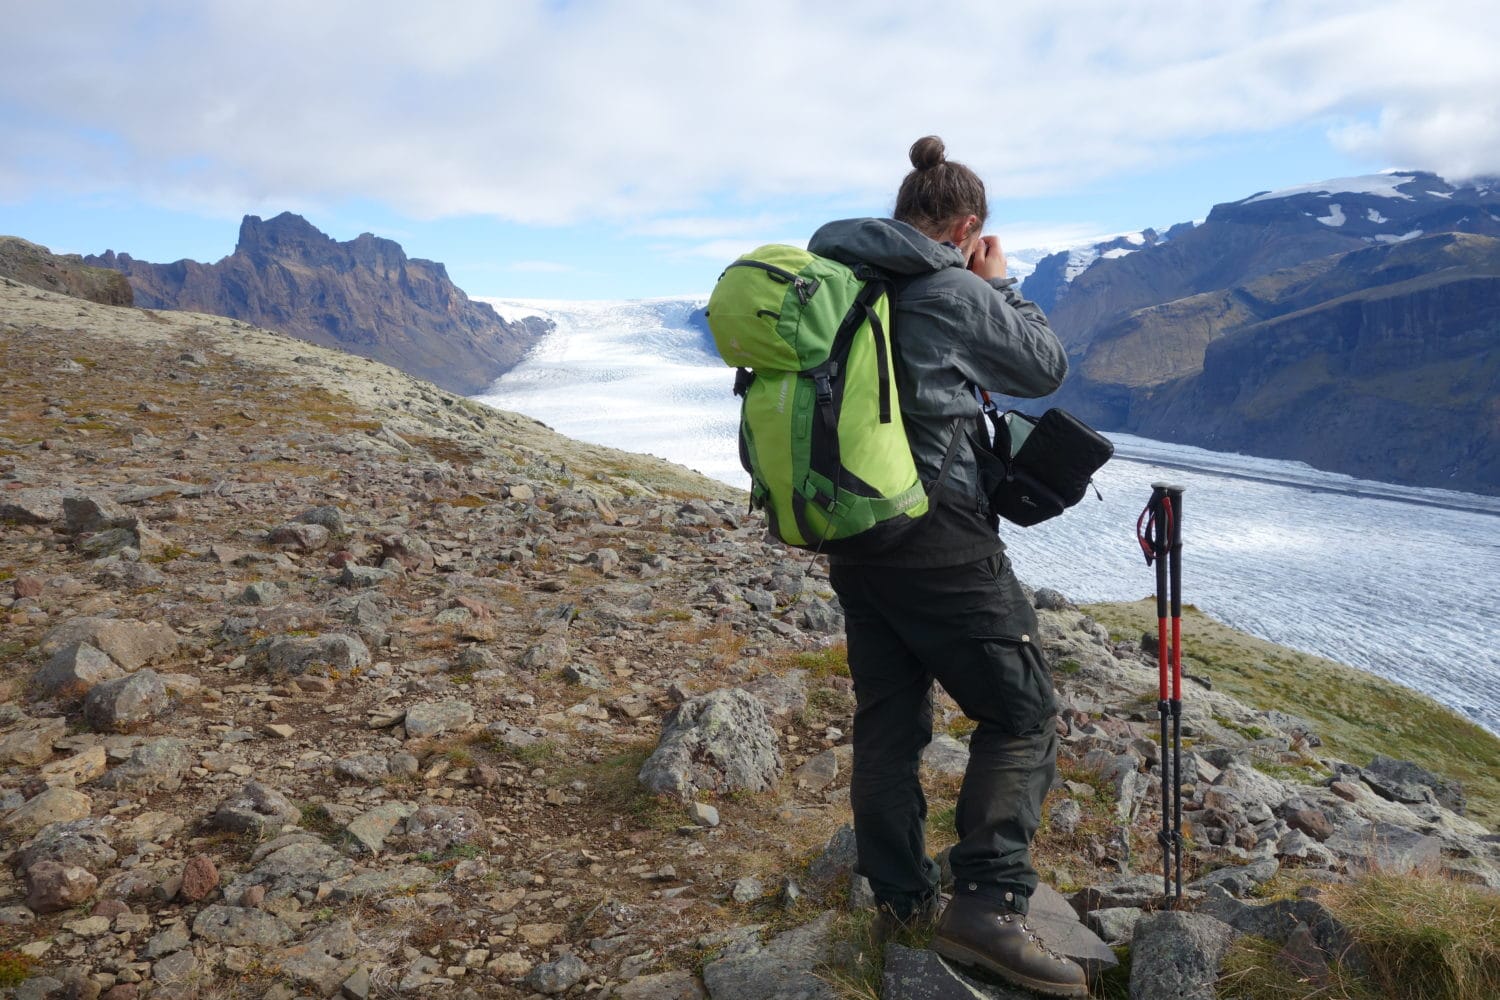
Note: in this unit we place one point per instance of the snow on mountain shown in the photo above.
(1383, 185)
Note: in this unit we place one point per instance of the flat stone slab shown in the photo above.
(1058, 926)
(918, 974)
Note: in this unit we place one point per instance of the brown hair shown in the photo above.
(937, 191)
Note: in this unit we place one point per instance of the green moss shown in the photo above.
(15, 968)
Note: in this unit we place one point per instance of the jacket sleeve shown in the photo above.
(1010, 348)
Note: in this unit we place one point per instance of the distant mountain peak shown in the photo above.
(285, 232)
(364, 295)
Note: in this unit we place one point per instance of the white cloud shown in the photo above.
(541, 112)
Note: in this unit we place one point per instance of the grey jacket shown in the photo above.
(953, 331)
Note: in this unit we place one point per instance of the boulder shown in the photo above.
(74, 670)
(156, 766)
(1403, 781)
(719, 742)
(131, 644)
(52, 887)
(292, 656)
(256, 809)
(126, 702)
(1178, 955)
(54, 805)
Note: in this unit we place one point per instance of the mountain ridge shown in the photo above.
(364, 295)
(1143, 331)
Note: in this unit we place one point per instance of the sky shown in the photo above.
(601, 150)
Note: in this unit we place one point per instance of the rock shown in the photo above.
(552, 978)
(1047, 599)
(77, 769)
(1115, 924)
(920, 974)
(746, 890)
(241, 928)
(1239, 880)
(782, 969)
(293, 656)
(1403, 781)
(256, 809)
(433, 718)
(677, 985)
(325, 960)
(81, 842)
(292, 868)
(74, 670)
(1384, 846)
(438, 828)
(384, 882)
(836, 861)
(718, 742)
(1279, 919)
(32, 506)
(199, 878)
(329, 517)
(1059, 927)
(130, 644)
(820, 771)
(52, 887)
(370, 829)
(1064, 816)
(156, 766)
(549, 654)
(946, 755)
(371, 768)
(54, 805)
(30, 743)
(174, 937)
(261, 594)
(704, 814)
(1177, 955)
(358, 577)
(784, 696)
(86, 514)
(127, 702)
(175, 977)
(298, 537)
(1311, 821)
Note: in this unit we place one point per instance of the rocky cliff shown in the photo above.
(67, 273)
(364, 296)
(1353, 330)
(319, 680)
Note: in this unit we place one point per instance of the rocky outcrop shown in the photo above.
(66, 273)
(364, 296)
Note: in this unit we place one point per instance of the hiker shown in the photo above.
(945, 604)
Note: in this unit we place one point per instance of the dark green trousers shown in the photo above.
(970, 628)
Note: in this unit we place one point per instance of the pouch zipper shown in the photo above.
(805, 287)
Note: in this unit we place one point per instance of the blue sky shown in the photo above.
(616, 150)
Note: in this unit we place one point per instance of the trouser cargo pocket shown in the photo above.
(1024, 682)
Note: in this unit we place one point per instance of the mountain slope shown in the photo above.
(1351, 329)
(364, 296)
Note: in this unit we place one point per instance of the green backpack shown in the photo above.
(820, 426)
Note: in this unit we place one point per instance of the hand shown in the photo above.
(987, 259)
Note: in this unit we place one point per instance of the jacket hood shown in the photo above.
(891, 246)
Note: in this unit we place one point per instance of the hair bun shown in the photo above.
(927, 152)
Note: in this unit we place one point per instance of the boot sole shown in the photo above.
(967, 956)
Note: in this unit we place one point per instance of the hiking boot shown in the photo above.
(996, 938)
(889, 923)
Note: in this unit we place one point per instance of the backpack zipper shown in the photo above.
(805, 287)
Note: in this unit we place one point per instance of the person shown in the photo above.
(945, 603)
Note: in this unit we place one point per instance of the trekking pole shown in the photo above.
(1173, 506)
(1156, 529)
